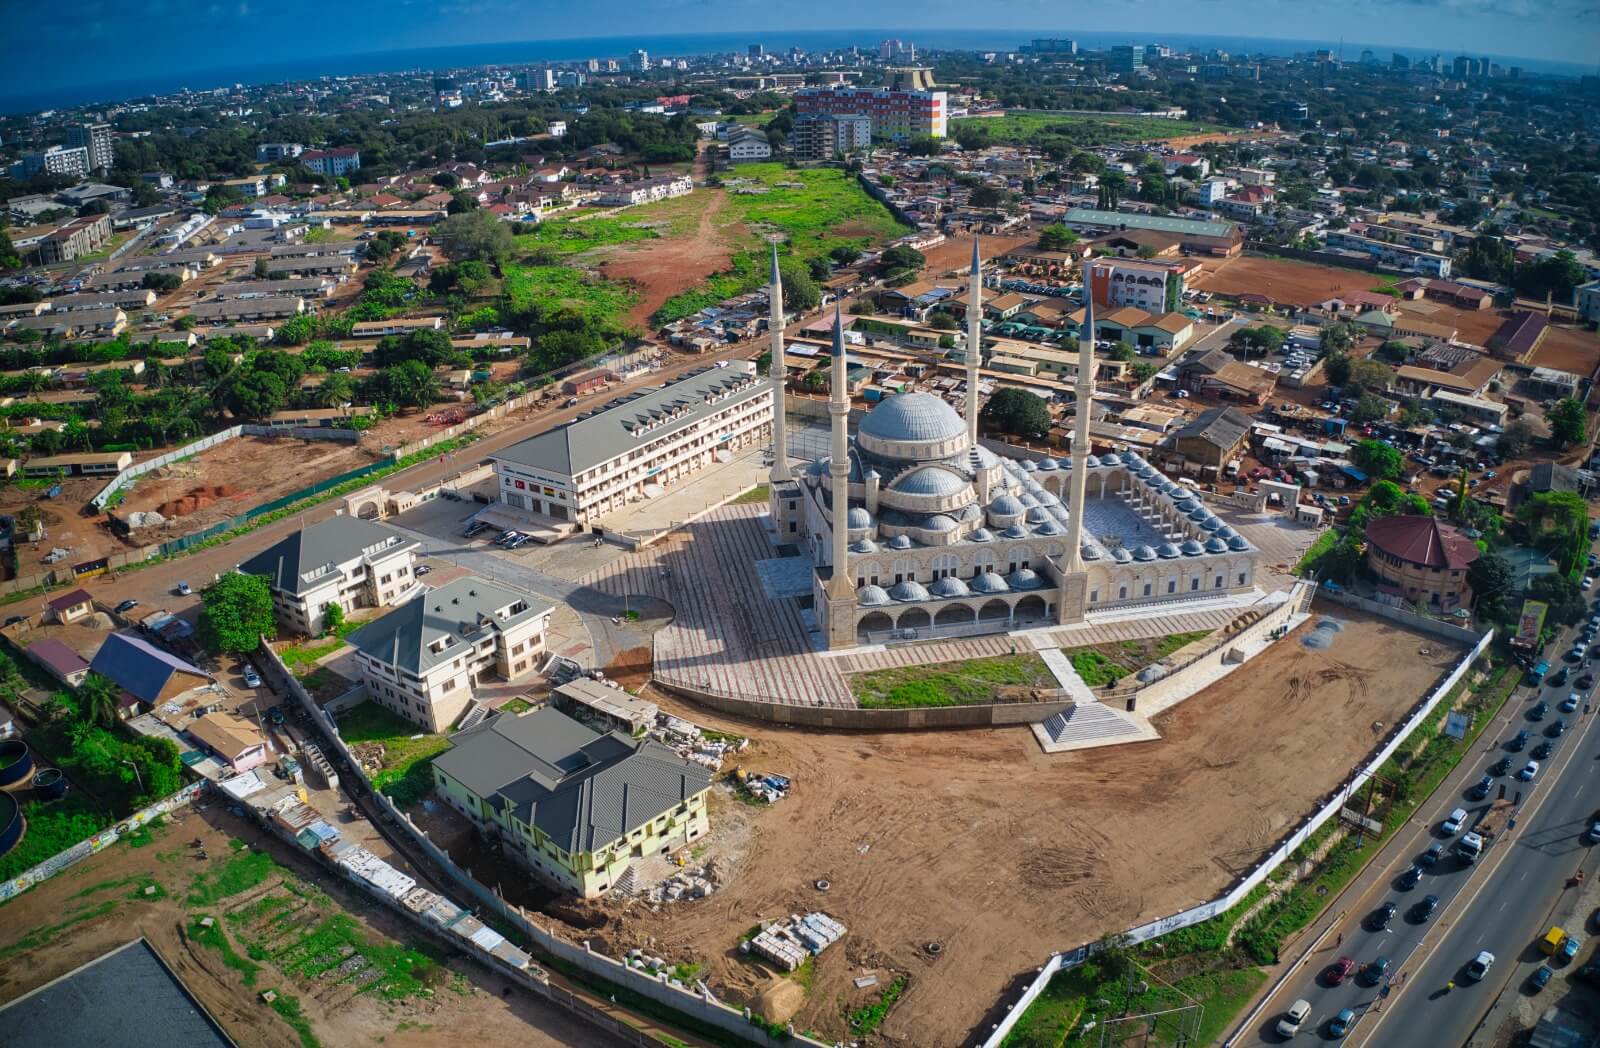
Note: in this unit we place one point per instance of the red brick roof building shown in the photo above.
(1421, 561)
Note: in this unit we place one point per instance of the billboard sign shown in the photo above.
(1529, 623)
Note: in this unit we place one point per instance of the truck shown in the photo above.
(1537, 674)
(1473, 843)
(1552, 940)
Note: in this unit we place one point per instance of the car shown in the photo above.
(1411, 878)
(125, 607)
(1539, 710)
(183, 589)
(1529, 770)
(1542, 751)
(422, 569)
(252, 679)
(276, 716)
(1339, 971)
(1587, 583)
(1432, 856)
(1373, 973)
(1557, 728)
(1340, 1024)
(1539, 979)
(1452, 824)
(1585, 682)
(1569, 704)
(1294, 1018)
(1592, 836)
(1479, 966)
(1380, 918)
(1589, 973)
(1569, 948)
(1481, 789)
(1558, 679)
(1501, 766)
(1518, 741)
(1490, 475)
(1425, 909)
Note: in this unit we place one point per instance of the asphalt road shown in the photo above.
(1506, 894)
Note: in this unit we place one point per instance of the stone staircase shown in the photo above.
(1089, 724)
(627, 886)
(475, 715)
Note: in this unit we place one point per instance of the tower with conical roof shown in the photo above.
(1073, 602)
(974, 341)
(840, 589)
(780, 436)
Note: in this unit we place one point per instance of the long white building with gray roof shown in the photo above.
(635, 446)
(343, 560)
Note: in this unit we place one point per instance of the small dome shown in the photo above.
(900, 542)
(1238, 544)
(1110, 459)
(982, 535)
(1048, 465)
(1191, 548)
(858, 517)
(1148, 472)
(1088, 552)
(1006, 507)
(863, 546)
(1029, 466)
(1122, 556)
(913, 418)
(1144, 553)
(930, 481)
(939, 522)
(1065, 462)
(1049, 498)
(817, 467)
(1188, 505)
(1226, 532)
(1216, 545)
(1092, 462)
(1038, 515)
(1211, 524)
(871, 596)
(1024, 579)
(1028, 499)
(1166, 551)
(1015, 531)
(1167, 487)
(1049, 527)
(1199, 513)
(988, 582)
(909, 590)
(950, 586)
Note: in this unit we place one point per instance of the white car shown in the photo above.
(1294, 1018)
(1529, 770)
(1479, 966)
(1452, 825)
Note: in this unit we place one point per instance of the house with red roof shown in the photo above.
(1421, 561)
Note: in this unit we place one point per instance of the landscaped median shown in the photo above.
(970, 683)
(1217, 964)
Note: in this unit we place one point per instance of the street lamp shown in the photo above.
(136, 776)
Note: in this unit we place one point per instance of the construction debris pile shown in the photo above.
(768, 789)
(691, 743)
(787, 943)
(687, 884)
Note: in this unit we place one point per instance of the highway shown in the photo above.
(1508, 893)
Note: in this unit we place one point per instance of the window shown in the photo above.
(1122, 592)
(1172, 585)
(1147, 589)
(1194, 584)
(1241, 578)
(449, 685)
(1219, 583)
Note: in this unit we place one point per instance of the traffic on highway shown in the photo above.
(1465, 908)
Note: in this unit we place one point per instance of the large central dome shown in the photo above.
(913, 418)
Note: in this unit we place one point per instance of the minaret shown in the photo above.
(1073, 601)
(839, 586)
(780, 435)
(974, 344)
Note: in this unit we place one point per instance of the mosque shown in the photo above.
(942, 537)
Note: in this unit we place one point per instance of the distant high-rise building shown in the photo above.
(71, 161)
(639, 61)
(1368, 58)
(444, 84)
(537, 79)
(1399, 61)
(1292, 112)
(818, 136)
(1126, 58)
(1461, 67)
(594, 65)
(897, 51)
(757, 51)
(895, 114)
(96, 140)
(1053, 46)
(277, 152)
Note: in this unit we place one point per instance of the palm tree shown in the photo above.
(98, 698)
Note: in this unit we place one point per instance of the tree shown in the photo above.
(800, 292)
(1056, 237)
(1491, 580)
(431, 347)
(1562, 594)
(1514, 438)
(332, 618)
(1368, 376)
(1336, 366)
(1568, 423)
(845, 254)
(235, 613)
(336, 390)
(1386, 499)
(1017, 411)
(462, 202)
(902, 257)
(1559, 522)
(943, 321)
(1263, 338)
(410, 383)
(97, 700)
(1377, 460)
(263, 268)
(1123, 351)
(9, 257)
(477, 235)
(255, 394)
(1370, 408)
(162, 282)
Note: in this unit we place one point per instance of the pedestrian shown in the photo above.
(1339, 940)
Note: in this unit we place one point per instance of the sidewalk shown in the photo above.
(1407, 841)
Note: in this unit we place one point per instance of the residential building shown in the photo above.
(146, 672)
(97, 141)
(1155, 287)
(72, 162)
(81, 236)
(398, 326)
(1397, 256)
(332, 162)
(1126, 59)
(81, 464)
(1589, 302)
(1519, 336)
(277, 152)
(1158, 334)
(576, 806)
(746, 144)
(343, 560)
(895, 114)
(645, 191)
(1213, 237)
(273, 307)
(69, 607)
(231, 739)
(60, 661)
(1208, 443)
(423, 659)
(1421, 560)
(631, 448)
(820, 136)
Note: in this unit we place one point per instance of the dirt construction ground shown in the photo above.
(100, 904)
(978, 841)
(659, 269)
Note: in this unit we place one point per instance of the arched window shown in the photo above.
(946, 564)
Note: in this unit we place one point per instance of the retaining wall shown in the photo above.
(1329, 809)
(841, 718)
(700, 1006)
(1437, 627)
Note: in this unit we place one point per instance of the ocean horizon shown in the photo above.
(528, 52)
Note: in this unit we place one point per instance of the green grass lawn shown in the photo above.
(557, 291)
(1099, 667)
(970, 683)
(758, 493)
(407, 754)
(1018, 128)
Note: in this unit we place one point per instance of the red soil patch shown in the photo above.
(659, 269)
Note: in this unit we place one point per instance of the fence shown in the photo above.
(139, 469)
(1329, 809)
(97, 843)
(700, 1006)
(1436, 627)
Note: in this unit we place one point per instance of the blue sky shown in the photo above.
(99, 41)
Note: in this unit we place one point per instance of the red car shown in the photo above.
(1340, 970)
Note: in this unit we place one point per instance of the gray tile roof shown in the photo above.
(297, 561)
(580, 788)
(636, 420)
(1221, 427)
(127, 998)
(443, 623)
(1157, 223)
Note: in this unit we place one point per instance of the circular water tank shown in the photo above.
(50, 784)
(10, 822)
(16, 762)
